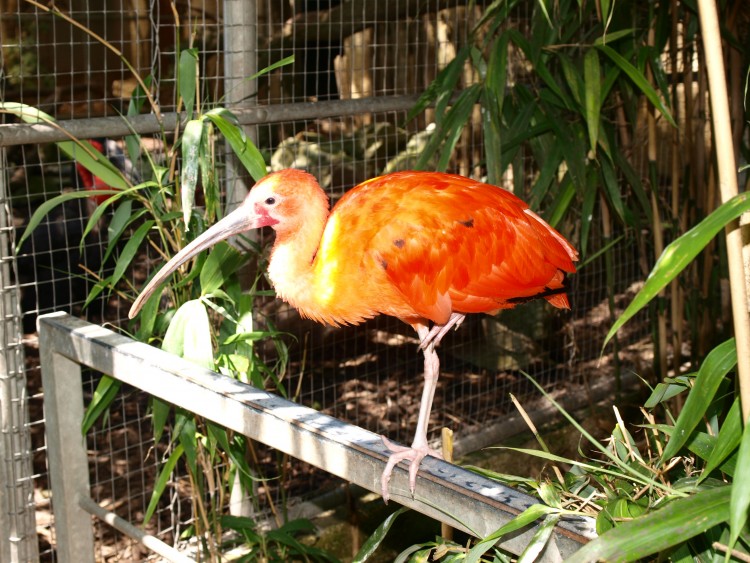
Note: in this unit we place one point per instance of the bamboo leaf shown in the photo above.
(130, 250)
(222, 262)
(660, 529)
(189, 334)
(191, 142)
(242, 146)
(455, 121)
(593, 96)
(639, 80)
(710, 375)
(104, 394)
(82, 152)
(188, 79)
(679, 253)
(44, 209)
(527, 517)
(540, 539)
(161, 482)
(727, 441)
(373, 542)
(740, 501)
(159, 414)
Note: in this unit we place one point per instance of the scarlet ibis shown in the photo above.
(424, 247)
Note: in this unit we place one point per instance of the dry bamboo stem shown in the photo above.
(727, 169)
(661, 315)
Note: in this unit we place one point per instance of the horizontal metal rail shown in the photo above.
(445, 492)
(113, 127)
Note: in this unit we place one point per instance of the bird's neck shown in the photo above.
(291, 267)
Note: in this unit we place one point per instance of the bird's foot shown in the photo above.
(416, 453)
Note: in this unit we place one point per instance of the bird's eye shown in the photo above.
(270, 201)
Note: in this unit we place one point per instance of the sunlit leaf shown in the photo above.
(189, 334)
(191, 141)
(376, 538)
(740, 501)
(540, 539)
(710, 375)
(680, 253)
(678, 521)
(243, 147)
(528, 516)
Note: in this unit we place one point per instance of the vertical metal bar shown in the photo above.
(240, 63)
(66, 452)
(18, 540)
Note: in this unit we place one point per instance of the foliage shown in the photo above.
(209, 320)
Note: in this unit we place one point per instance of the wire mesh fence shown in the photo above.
(71, 65)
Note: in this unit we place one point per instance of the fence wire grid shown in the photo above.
(367, 375)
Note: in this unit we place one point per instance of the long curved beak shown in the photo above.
(238, 221)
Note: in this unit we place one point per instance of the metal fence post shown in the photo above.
(18, 539)
(66, 450)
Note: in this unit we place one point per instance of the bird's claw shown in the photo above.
(414, 453)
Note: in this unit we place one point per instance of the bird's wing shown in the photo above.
(448, 243)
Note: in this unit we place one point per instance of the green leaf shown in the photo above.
(223, 261)
(713, 370)
(130, 250)
(639, 80)
(242, 146)
(679, 253)
(740, 501)
(373, 542)
(159, 413)
(188, 79)
(80, 151)
(540, 539)
(161, 482)
(48, 206)
(189, 334)
(454, 123)
(593, 96)
(191, 142)
(104, 394)
(528, 516)
(728, 439)
(661, 529)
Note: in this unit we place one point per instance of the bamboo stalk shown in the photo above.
(660, 355)
(727, 170)
(676, 292)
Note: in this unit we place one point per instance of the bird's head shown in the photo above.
(282, 200)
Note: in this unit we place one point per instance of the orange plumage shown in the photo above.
(425, 247)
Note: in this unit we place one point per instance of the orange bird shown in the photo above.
(425, 247)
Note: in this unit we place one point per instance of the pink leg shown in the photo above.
(419, 447)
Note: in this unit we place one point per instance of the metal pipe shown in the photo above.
(21, 134)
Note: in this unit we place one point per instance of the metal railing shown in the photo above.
(477, 505)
